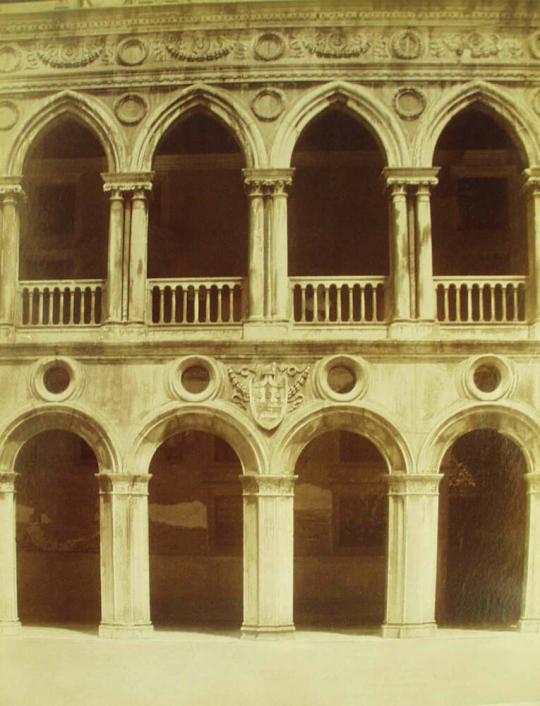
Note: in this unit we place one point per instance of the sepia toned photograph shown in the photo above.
(270, 353)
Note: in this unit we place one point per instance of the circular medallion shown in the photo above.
(194, 378)
(130, 108)
(341, 378)
(132, 52)
(8, 115)
(536, 102)
(409, 103)
(268, 104)
(488, 377)
(269, 46)
(534, 44)
(407, 44)
(9, 59)
(55, 379)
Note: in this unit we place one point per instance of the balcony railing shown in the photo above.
(351, 300)
(485, 300)
(61, 303)
(210, 301)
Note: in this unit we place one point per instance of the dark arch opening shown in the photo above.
(58, 564)
(65, 223)
(198, 214)
(482, 522)
(340, 530)
(337, 208)
(478, 212)
(196, 531)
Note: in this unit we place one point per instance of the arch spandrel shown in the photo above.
(515, 116)
(215, 102)
(361, 103)
(58, 418)
(90, 112)
(215, 418)
(510, 421)
(303, 427)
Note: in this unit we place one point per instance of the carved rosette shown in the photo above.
(71, 54)
(337, 44)
(199, 46)
(268, 392)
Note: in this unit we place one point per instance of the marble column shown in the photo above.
(9, 620)
(412, 555)
(268, 555)
(11, 194)
(115, 259)
(530, 609)
(125, 574)
(425, 292)
(279, 182)
(532, 192)
(138, 254)
(257, 251)
(399, 253)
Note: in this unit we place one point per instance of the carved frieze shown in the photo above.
(199, 46)
(407, 44)
(269, 46)
(10, 58)
(337, 43)
(475, 45)
(69, 54)
(268, 391)
(132, 52)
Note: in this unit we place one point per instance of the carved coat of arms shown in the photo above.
(268, 391)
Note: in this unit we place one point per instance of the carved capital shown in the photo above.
(268, 486)
(127, 182)
(421, 178)
(533, 483)
(11, 188)
(7, 482)
(531, 181)
(123, 483)
(413, 483)
(267, 182)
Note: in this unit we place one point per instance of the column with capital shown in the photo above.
(279, 182)
(113, 306)
(413, 506)
(425, 292)
(125, 574)
(268, 555)
(530, 607)
(532, 191)
(11, 195)
(257, 251)
(400, 288)
(138, 250)
(9, 619)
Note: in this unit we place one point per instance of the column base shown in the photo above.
(534, 330)
(10, 627)
(531, 625)
(409, 630)
(7, 332)
(125, 632)
(267, 632)
(402, 330)
(266, 330)
(130, 330)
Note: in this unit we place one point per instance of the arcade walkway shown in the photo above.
(60, 667)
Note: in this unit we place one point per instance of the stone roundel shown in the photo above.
(130, 108)
(10, 59)
(493, 368)
(132, 52)
(409, 103)
(536, 102)
(534, 44)
(268, 104)
(407, 44)
(357, 377)
(43, 368)
(269, 46)
(9, 115)
(176, 382)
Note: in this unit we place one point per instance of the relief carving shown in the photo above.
(268, 391)
(69, 55)
(9, 114)
(337, 44)
(269, 46)
(407, 44)
(199, 46)
(10, 58)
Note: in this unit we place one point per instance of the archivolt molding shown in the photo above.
(319, 418)
(215, 417)
(360, 102)
(520, 122)
(211, 100)
(90, 111)
(61, 417)
(509, 419)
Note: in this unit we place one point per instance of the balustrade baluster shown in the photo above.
(362, 303)
(503, 302)
(339, 289)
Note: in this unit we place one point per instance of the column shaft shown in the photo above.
(399, 254)
(268, 555)
(425, 293)
(125, 574)
(9, 272)
(113, 303)
(9, 620)
(533, 228)
(257, 299)
(530, 610)
(412, 555)
(138, 254)
(279, 253)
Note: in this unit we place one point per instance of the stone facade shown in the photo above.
(126, 344)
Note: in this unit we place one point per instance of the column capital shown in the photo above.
(530, 180)
(533, 483)
(268, 486)
(411, 176)
(259, 182)
(7, 481)
(123, 483)
(413, 483)
(127, 181)
(11, 187)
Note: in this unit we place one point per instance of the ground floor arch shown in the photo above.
(482, 531)
(195, 524)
